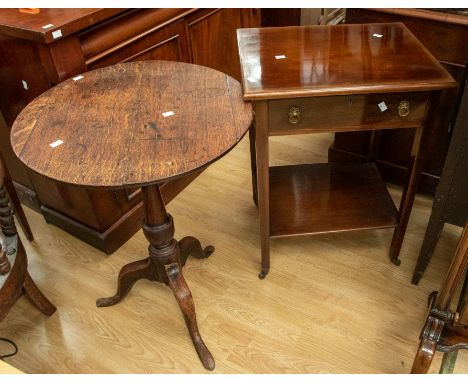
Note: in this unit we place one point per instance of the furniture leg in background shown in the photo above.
(451, 201)
(16, 279)
(443, 330)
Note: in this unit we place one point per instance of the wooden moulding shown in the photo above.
(103, 40)
(328, 197)
(68, 21)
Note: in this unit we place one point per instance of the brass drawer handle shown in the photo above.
(403, 109)
(294, 114)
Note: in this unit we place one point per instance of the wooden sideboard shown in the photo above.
(34, 58)
(445, 35)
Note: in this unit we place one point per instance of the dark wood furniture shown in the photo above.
(445, 330)
(445, 36)
(32, 60)
(280, 17)
(451, 201)
(14, 276)
(137, 125)
(336, 78)
(15, 202)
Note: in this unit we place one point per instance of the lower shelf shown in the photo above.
(328, 197)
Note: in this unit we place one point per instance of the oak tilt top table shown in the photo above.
(137, 124)
(326, 79)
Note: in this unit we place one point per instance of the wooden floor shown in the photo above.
(331, 304)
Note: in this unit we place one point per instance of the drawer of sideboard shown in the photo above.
(347, 113)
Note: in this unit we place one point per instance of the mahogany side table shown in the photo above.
(313, 79)
(136, 125)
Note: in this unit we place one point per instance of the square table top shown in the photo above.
(305, 61)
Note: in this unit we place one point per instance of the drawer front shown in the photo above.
(347, 113)
(119, 32)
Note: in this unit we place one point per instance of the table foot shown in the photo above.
(263, 273)
(36, 297)
(190, 246)
(186, 305)
(396, 261)
(128, 276)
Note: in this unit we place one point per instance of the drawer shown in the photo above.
(347, 113)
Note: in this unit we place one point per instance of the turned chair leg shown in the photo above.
(10, 188)
(33, 293)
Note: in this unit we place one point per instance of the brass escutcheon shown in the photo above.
(294, 114)
(403, 108)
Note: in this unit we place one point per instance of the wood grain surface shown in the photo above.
(331, 303)
(339, 59)
(115, 130)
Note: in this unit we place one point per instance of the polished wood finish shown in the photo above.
(356, 198)
(93, 39)
(317, 300)
(354, 61)
(212, 41)
(154, 146)
(443, 329)
(450, 202)
(119, 36)
(151, 121)
(15, 23)
(14, 276)
(349, 113)
(335, 78)
(444, 35)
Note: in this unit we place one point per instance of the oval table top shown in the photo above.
(131, 124)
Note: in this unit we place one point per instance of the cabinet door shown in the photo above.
(168, 43)
(213, 41)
